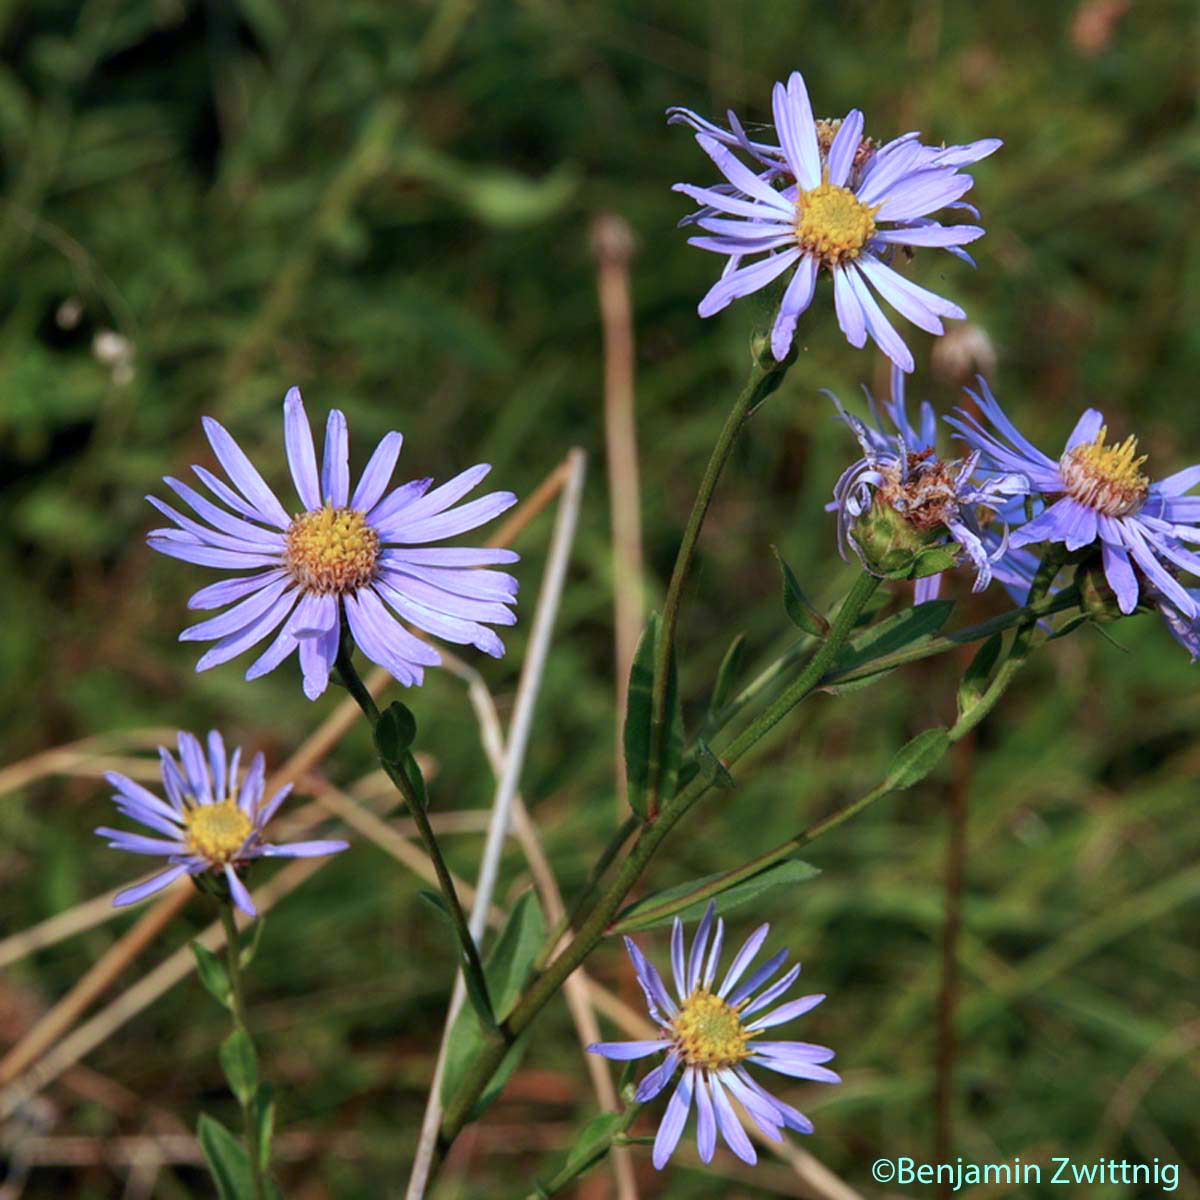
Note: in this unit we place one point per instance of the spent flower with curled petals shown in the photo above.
(1096, 493)
(211, 822)
(712, 1034)
(356, 558)
(829, 199)
(901, 499)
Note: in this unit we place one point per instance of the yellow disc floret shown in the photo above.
(331, 550)
(832, 223)
(1106, 478)
(216, 831)
(709, 1033)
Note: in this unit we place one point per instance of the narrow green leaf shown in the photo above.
(667, 770)
(226, 1159)
(507, 968)
(593, 1142)
(712, 768)
(802, 613)
(411, 770)
(395, 732)
(479, 999)
(916, 759)
(727, 675)
(637, 717)
(904, 629)
(729, 889)
(974, 681)
(435, 901)
(212, 973)
(240, 1064)
(264, 1121)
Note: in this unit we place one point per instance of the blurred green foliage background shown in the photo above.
(389, 205)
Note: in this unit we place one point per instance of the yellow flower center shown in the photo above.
(709, 1033)
(331, 550)
(832, 223)
(216, 831)
(1106, 478)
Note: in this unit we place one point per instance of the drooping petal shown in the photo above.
(624, 1051)
(673, 1120)
(301, 453)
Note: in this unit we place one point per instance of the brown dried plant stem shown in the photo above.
(612, 245)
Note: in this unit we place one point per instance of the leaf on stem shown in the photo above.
(212, 974)
(689, 900)
(727, 675)
(226, 1159)
(715, 772)
(975, 679)
(240, 1064)
(800, 610)
(643, 767)
(507, 969)
(916, 759)
(264, 1122)
(395, 732)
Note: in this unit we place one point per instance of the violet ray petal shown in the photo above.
(313, 849)
(845, 147)
(744, 281)
(228, 591)
(397, 500)
(787, 1012)
(657, 1079)
(695, 961)
(246, 531)
(449, 524)
(335, 464)
(156, 883)
(205, 556)
(138, 843)
(242, 473)
(233, 645)
(237, 889)
(706, 1125)
(731, 1128)
(625, 1051)
(673, 1120)
(239, 616)
(377, 473)
(776, 989)
(301, 453)
(759, 977)
(743, 958)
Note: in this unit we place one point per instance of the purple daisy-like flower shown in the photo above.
(829, 199)
(712, 1033)
(901, 471)
(211, 821)
(354, 557)
(1097, 493)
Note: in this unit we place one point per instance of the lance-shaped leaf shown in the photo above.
(916, 759)
(647, 767)
(395, 732)
(904, 629)
(729, 889)
(974, 682)
(212, 973)
(727, 675)
(801, 611)
(240, 1064)
(507, 969)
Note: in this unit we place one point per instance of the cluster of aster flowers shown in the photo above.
(361, 567)
(1006, 496)
(828, 199)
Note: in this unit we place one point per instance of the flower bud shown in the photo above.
(893, 547)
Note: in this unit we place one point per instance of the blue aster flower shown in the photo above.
(942, 501)
(710, 1034)
(211, 821)
(828, 199)
(1096, 493)
(355, 557)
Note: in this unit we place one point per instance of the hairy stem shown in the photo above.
(472, 964)
(233, 960)
(765, 376)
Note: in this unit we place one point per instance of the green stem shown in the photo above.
(584, 898)
(571, 1171)
(1035, 608)
(592, 930)
(472, 964)
(233, 960)
(765, 376)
